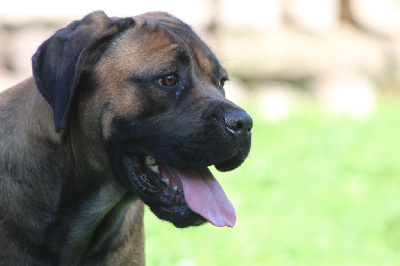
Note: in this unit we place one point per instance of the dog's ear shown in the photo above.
(60, 61)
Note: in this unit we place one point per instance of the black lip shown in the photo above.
(230, 164)
(237, 159)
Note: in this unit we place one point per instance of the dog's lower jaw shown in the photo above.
(185, 198)
(164, 198)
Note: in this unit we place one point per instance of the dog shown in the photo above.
(120, 112)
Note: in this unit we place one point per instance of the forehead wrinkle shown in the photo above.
(192, 48)
(178, 42)
(145, 46)
(204, 60)
(168, 43)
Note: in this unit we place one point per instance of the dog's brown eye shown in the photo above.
(169, 80)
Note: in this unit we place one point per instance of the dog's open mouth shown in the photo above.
(179, 196)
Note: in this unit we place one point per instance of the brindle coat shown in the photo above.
(65, 198)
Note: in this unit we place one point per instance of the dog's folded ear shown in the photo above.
(60, 61)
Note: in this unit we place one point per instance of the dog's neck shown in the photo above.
(99, 224)
(71, 218)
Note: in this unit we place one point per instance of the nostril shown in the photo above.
(239, 125)
(238, 122)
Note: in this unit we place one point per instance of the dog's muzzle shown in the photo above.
(168, 169)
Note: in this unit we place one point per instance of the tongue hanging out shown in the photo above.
(205, 196)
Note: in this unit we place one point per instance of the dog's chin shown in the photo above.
(229, 164)
(162, 192)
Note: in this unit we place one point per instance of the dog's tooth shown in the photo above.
(165, 180)
(175, 188)
(154, 168)
(150, 160)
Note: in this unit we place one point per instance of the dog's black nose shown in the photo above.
(238, 121)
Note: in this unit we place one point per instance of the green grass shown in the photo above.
(315, 190)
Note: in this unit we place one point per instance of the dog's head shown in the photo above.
(151, 93)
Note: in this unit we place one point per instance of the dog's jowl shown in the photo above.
(119, 112)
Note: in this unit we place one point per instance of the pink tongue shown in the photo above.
(204, 196)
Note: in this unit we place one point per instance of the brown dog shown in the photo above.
(118, 112)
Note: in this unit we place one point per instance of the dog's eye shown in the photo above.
(221, 83)
(169, 80)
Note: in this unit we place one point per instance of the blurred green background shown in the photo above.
(316, 189)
